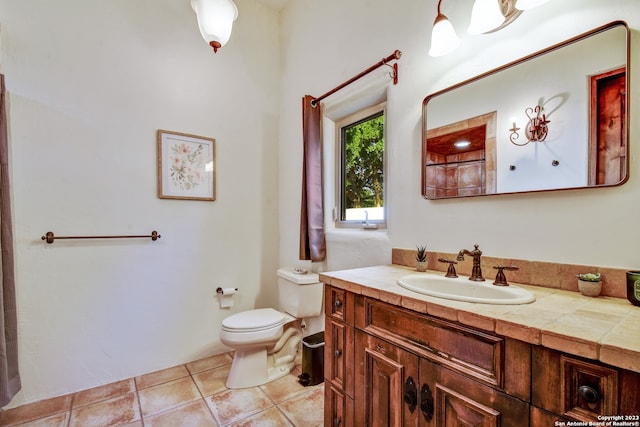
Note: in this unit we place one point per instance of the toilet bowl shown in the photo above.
(266, 340)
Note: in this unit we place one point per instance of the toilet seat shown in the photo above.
(254, 320)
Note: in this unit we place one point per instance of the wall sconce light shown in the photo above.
(215, 20)
(443, 36)
(536, 129)
(487, 16)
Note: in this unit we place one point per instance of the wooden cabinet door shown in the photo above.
(338, 409)
(387, 384)
(460, 401)
(338, 358)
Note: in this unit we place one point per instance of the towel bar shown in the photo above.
(50, 237)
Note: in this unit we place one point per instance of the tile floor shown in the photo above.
(190, 395)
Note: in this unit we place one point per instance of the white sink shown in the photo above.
(463, 289)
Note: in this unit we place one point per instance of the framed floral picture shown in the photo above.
(186, 166)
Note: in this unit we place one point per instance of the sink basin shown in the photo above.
(462, 289)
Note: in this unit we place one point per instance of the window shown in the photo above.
(360, 169)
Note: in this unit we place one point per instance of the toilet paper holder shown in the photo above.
(221, 291)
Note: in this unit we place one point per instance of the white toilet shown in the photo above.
(266, 340)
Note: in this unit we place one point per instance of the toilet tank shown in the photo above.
(300, 295)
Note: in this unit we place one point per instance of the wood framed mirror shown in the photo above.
(555, 119)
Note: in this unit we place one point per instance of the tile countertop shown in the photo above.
(603, 328)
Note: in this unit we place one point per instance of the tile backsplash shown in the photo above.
(538, 273)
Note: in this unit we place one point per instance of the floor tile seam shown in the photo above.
(195, 383)
(50, 414)
(298, 395)
(210, 369)
(138, 388)
(144, 418)
(231, 423)
(284, 414)
(213, 417)
(205, 369)
(139, 406)
(120, 396)
(252, 414)
(28, 421)
(171, 407)
(102, 399)
(273, 402)
(256, 411)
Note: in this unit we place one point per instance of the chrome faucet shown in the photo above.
(476, 271)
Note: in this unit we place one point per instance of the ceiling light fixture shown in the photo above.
(487, 16)
(215, 20)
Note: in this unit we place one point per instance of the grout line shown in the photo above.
(73, 399)
(137, 392)
(202, 397)
(213, 417)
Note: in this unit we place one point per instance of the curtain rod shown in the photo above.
(395, 55)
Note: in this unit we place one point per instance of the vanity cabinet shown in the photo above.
(404, 368)
(386, 365)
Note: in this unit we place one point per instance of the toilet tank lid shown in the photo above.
(294, 276)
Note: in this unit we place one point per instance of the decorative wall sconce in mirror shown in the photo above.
(535, 130)
(581, 114)
(215, 20)
(487, 16)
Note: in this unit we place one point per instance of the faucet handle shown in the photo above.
(451, 271)
(501, 279)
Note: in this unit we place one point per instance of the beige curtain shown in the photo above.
(312, 242)
(9, 377)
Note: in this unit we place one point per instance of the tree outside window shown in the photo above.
(362, 150)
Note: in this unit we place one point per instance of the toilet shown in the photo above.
(266, 340)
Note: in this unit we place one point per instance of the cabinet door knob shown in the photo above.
(338, 303)
(589, 394)
(336, 421)
(410, 394)
(426, 402)
(337, 353)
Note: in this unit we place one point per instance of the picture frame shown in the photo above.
(186, 166)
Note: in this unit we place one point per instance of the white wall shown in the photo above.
(89, 83)
(325, 43)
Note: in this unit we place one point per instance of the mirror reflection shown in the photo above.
(552, 120)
